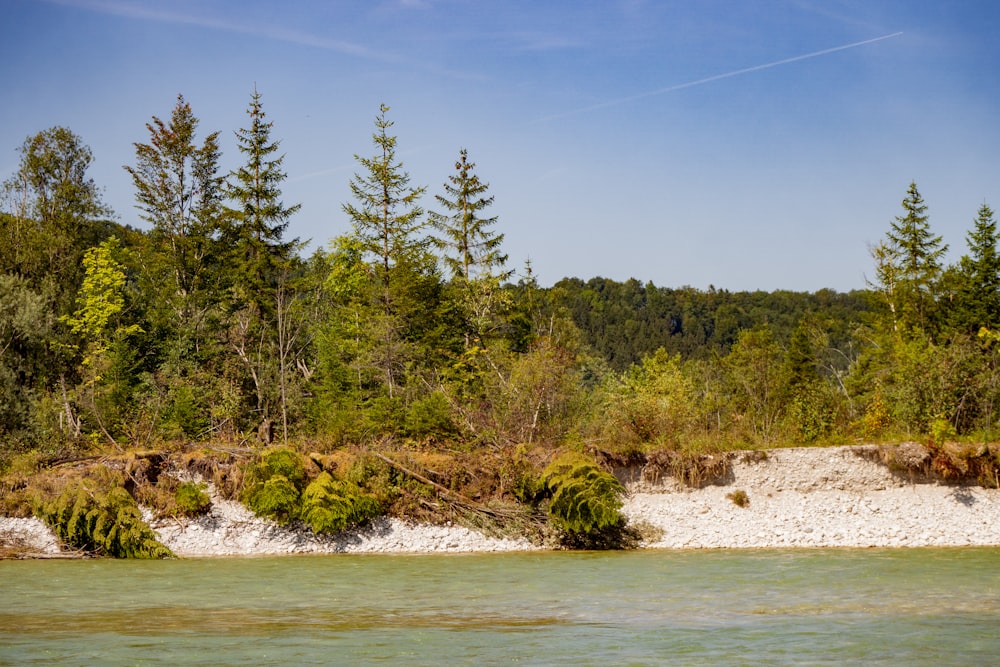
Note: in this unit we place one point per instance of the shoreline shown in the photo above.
(797, 498)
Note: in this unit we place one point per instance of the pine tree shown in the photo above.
(259, 220)
(474, 250)
(979, 270)
(917, 254)
(386, 219)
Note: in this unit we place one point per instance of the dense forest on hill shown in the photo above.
(209, 326)
(625, 322)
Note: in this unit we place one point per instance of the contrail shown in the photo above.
(717, 77)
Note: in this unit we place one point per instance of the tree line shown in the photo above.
(212, 325)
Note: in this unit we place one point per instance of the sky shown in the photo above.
(738, 145)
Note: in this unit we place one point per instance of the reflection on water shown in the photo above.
(911, 607)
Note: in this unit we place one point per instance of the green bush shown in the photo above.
(190, 499)
(273, 485)
(585, 499)
(105, 522)
(430, 417)
(277, 498)
(331, 505)
(279, 461)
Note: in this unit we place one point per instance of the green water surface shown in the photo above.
(769, 607)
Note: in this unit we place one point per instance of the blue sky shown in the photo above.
(745, 145)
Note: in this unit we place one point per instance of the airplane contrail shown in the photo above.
(717, 77)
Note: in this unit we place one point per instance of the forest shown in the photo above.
(412, 337)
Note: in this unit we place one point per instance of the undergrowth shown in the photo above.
(100, 518)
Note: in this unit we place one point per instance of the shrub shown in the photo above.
(190, 499)
(106, 522)
(277, 499)
(739, 497)
(279, 461)
(273, 485)
(331, 505)
(585, 499)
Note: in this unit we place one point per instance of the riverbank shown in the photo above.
(816, 497)
(799, 497)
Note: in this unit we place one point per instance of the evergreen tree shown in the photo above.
(260, 263)
(179, 191)
(388, 224)
(255, 230)
(386, 218)
(473, 249)
(979, 276)
(917, 255)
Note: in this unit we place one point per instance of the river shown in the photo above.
(768, 607)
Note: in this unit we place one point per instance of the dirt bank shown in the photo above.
(808, 497)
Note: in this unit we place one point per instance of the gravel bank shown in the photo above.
(230, 529)
(809, 497)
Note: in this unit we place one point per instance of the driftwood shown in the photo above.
(454, 497)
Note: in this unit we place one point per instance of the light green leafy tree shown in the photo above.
(98, 320)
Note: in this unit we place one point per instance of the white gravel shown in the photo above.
(809, 497)
(230, 529)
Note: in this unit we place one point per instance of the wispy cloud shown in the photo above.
(717, 77)
(273, 32)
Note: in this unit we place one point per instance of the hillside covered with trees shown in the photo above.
(210, 328)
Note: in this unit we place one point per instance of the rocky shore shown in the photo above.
(809, 497)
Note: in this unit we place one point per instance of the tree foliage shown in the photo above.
(104, 521)
(585, 499)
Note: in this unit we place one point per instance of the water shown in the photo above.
(804, 607)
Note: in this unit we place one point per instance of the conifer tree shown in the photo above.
(979, 271)
(473, 248)
(386, 218)
(259, 219)
(261, 262)
(917, 254)
(388, 225)
(179, 192)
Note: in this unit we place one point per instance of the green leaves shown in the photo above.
(331, 505)
(585, 499)
(105, 521)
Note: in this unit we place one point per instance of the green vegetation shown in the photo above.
(586, 501)
(421, 375)
(102, 520)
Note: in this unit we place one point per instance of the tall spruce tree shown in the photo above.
(472, 248)
(389, 227)
(979, 276)
(386, 217)
(259, 219)
(260, 264)
(917, 254)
